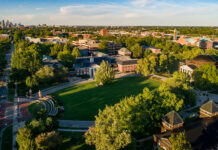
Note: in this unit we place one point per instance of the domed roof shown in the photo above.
(204, 58)
(124, 50)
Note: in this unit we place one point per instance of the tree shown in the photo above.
(136, 50)
(147, 65)
(206, 77)
(76, 52)
(103, 46)
(180, 85)
(27, 135)
(104, 73)
(49, 140)
(18, 35)
(56, 49)
(31, 81)
(163, 63)
(66, 48)
(143, 66)
(25, 139)
(179, 142)
(66, 58)
(147, 52)
(117, 126)
(45, 74)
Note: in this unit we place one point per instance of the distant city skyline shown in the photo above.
(113, 12)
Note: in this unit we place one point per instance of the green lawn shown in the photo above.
(74, 141)
(83, 101)
(7, 139)
(35, 107)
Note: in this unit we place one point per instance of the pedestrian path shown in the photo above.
(76, 124)
(60, 87)
(72, 130)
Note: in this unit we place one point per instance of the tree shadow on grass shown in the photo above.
(83, 103)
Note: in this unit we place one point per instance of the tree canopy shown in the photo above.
(118, 126)
(206, 77)
(104, 73)
(179, 142)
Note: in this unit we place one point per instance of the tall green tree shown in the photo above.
(45, 74)
(76, 52)
(117, 127)
(179, 142)
(136, 51)
(25, 139)
(31, 81)
(17, 35)
(48, 140)
(56, 49)
(206, 77)
(147, 65)
(103, 46)
(104, 73)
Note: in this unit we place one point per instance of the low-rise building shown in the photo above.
(47, 60)
(171, 121)
(4, 36)
(126, 64)
(198, 61)
(152, 49)
(124, 52)
(104, 32)
(89, 65)
(202, 133)
(209, 109)
(84, 50)
(113, 48)
(204, 43)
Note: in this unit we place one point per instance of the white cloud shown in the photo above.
(131, 15)
(141, 3)
(132, 12)
(39, 8)
(89, 10)
(21, 17)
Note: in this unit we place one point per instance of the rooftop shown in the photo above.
(204, 58)
(202, 133)
(173, 118)
(210, 106)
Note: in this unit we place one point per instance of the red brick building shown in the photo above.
(203, 43)
(126, 64)
(104, 32)
(202, 133)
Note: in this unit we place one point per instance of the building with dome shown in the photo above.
(190, 65)
(124, 52)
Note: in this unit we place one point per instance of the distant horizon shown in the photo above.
(111, 12)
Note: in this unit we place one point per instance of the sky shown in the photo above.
(111, 12)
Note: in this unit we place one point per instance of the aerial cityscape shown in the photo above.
(108, 75)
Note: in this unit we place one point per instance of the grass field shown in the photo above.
(74, 141)
(7, 139)
(83, 101)
(35, 107)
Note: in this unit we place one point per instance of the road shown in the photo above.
(6, 77)
(4, 91)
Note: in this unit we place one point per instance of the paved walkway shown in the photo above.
(72, 130)
(160, 77)
(61, 86)
(15, 119)
(76, 124)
